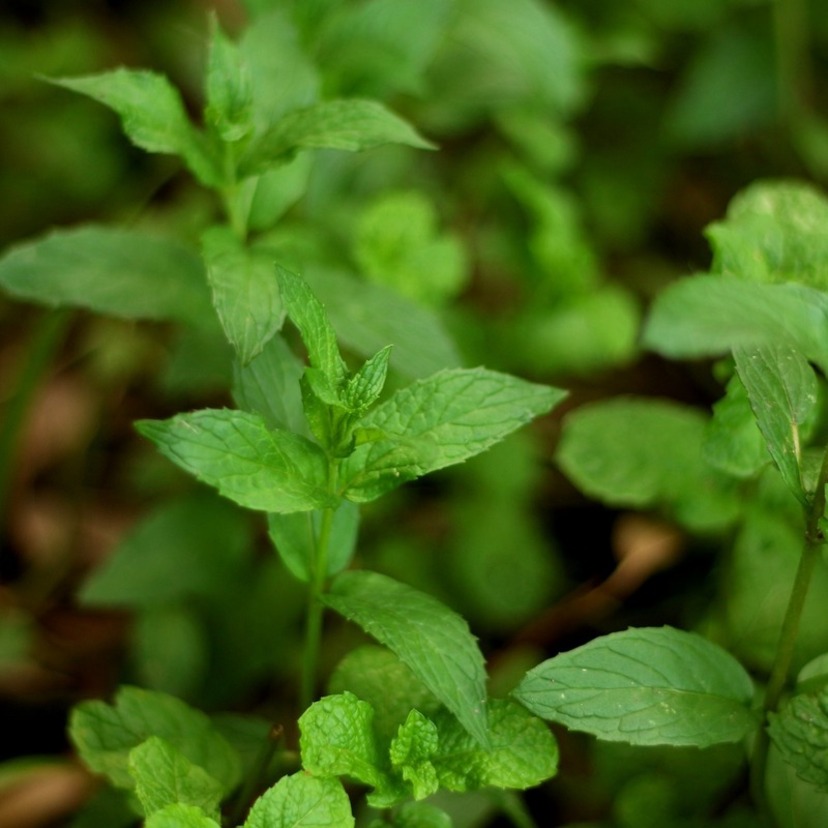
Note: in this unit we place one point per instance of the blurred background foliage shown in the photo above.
(584, 146)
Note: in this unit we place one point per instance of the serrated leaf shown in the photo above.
(302, 801)
(800, 733)
(229, 87)
(523, 752)
(259, 468)
(180, 816)
(104, 735)
(439, 421)
(294, 536)
(647, 686)
(782, 388)
(774, 231)
(367, 317)
(646, 452)
(153, 116)
(411, 752)
(245, 292)
(348, 124)
(164, 776)
(309, 316)
(706, 316)
(367, 383)
(430, 638)
(337, 739)
(157, 278)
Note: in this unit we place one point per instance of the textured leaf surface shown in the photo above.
(180, 816)
(229, 88)
(245, 292)
(123, 273)
(647, 686)
(412, 750)
(152, 114)
(104, 735)
(302, 801)
(436, 422)
(523, 752)
(294, 536)
(645, 452)
(706, 316)
(800, 733)
(431, 639)
(274, 471)
(774, 231)
(348, 124)
(337, 739)
(782, 388)
(164, 776)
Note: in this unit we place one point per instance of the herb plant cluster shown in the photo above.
(316, 361)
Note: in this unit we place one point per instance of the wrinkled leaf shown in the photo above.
(800, 733)
(302, 801)
(269, 470)
(645, 686)
(431, 639)
(180, 816)
(411, 752)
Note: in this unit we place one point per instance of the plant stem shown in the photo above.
(780, 671)
(316, 609)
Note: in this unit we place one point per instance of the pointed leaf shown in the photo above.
(348, 124)
(229, 88)
(800, 732)
(245, 292)
(164, 776)
(523, 752)
(430, 638)
(104, 735)
(412, 750)
(294, 536)
(302, 801)
(157, 278)
(439, 421)
(782, 388)
(152, 114)
(270, 470)
(647, 686)
(180, 816)
(710, 315)
(309, 316)
(367, 383)
(337, 739)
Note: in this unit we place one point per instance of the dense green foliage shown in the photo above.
(385, 291)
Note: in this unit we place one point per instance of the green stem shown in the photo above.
(780, 671)
(316, 609)
(47, 337)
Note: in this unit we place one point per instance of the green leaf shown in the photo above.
(646, 452)
(245, 291)
(367, 317)
(104, 735)
(269, 386)
(269, 470)
(412, 750)
(302, 801)
(437, 422)
(180, 816)
(431, 639)
(309, 316)
(648, 686)
(349, 124)
(337, 739)
(365, 386)
(153, 116)
(157, 278)
(377, 676)
(277, 190)
(229, 87)
(706, 316)
(775, 231)
(782, 388)
(164, 776)
(523, 752)
(420, 815)
(294, 537)
(800, 733)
